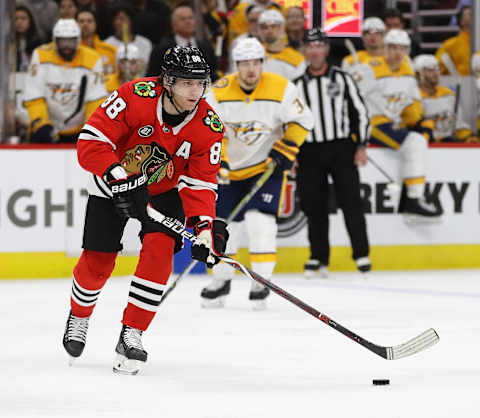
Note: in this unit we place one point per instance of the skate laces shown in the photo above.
(133, 338)
(77, 328)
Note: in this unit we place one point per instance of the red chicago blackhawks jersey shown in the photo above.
(128, 128)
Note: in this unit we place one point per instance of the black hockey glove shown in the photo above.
(283, 153)
(211, 241)
(425, 127)
(44, 135)
(130, 195)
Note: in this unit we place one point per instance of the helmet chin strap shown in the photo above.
(172, 101)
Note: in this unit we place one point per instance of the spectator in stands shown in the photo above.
(280, 59)
(183, 27)
(458, 6)
(216, 28)
(438, 103)
(152, 19)
(457, 48)
(87, 20)
(394, 19)
(26, 36)
(127, 64)
(100, 8)
(238, 22)
(122, 18)
(61, 97)
(46, 14)
(296, 27)
(67, 9)
(26, 40)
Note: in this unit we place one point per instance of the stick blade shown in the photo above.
(415, 345)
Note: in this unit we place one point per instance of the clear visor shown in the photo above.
(190, 89)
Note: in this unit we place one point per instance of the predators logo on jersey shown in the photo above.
(152, 160)
(63, 94)
(250, 132)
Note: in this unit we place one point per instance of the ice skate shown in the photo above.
(131, 355)
(364, 266)
(75, 336)
(314, 268)
(258, 295)
(214, 295)
(419, 211)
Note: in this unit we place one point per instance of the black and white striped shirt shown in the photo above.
(337, 106)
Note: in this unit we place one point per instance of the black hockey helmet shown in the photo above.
(315, 35)
(185, 62)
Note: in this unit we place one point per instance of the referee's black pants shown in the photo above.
(315, 162)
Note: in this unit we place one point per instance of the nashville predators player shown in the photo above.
(438, 103)
(64, 85)
(397, 120)
(265, 121)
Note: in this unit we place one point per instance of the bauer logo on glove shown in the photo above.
(130, 185)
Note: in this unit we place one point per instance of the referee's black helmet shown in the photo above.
(315, 35)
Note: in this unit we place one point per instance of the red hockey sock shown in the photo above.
(148, 283)
(89, 275)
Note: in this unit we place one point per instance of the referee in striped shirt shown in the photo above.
(335, 147)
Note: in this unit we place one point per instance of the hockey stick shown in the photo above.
(392, 185)
(351, 48)
(258, 184)
(415, 345)
(447, 61)
(81, 98)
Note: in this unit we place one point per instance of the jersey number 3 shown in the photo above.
(114, 105)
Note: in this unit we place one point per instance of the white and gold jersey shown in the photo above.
(289, 63)
(440, 108)
(395, 96)
(272, 111)
(52, 88)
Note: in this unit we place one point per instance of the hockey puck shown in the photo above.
(380, 382)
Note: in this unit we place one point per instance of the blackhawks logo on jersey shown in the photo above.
(145, 89)
(213, 121)
(152, 160)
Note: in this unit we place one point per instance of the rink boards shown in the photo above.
(43, 196)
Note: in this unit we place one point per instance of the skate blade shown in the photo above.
(71, 360)
(216, 303)
(259, 305)
(127, 366)
(411, 219)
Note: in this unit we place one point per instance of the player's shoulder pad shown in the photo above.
(227, 89)
(88, 57)
(145, 88)
(112, 49)
(349, 59)
(210, 119)
(46, 53)
(272, 87)
(291, 56)
(444, 91)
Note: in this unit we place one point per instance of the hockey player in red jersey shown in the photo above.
(154, 140)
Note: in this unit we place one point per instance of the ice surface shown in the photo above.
(237, 363)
